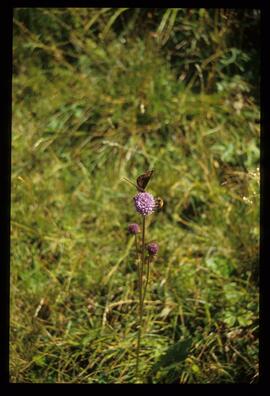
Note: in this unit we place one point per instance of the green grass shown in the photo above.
(84, 116)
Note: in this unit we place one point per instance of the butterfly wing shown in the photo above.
(143, 180)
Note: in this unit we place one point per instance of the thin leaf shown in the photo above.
(112, 20)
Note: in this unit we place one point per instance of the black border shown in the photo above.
(6, 25)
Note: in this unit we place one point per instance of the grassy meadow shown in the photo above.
(100, 94)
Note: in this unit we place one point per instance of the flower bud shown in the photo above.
(133, 228)
(152, 248)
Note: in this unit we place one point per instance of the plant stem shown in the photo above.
(138, 258)
(147, 278)
(141, 297)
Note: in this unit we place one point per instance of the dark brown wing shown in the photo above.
(143, 180)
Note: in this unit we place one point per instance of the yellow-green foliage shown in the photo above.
(101, 94)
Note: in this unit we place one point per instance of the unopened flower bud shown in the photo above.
(152, 248)
(133, 228)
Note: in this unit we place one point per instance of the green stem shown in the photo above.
(141, 297)
(138, 257)
(147, 278)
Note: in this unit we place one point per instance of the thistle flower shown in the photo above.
(134, 228)
(144, 203)
(152, 248)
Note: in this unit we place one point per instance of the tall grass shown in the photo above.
(99, 95)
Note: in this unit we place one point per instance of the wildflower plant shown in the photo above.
(145, 204)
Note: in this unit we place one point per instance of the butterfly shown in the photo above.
(142, 180)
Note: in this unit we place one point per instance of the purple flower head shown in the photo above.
(144, 203)
(152, 248)
(133, 228)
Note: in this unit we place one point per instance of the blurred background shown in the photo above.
(105, 93)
